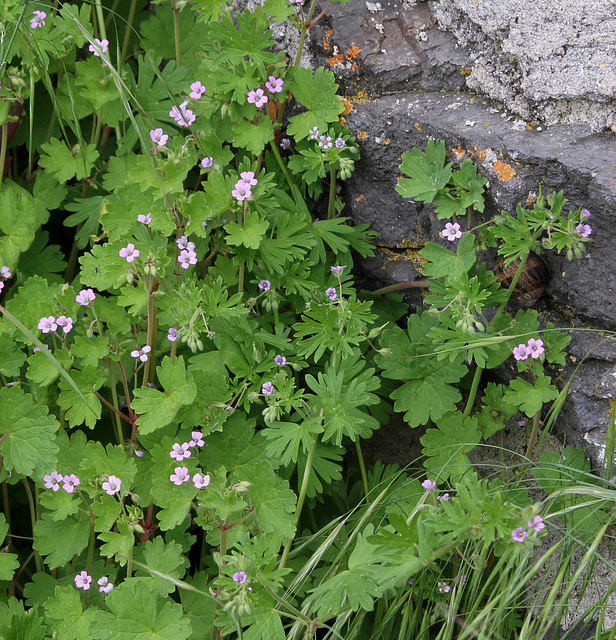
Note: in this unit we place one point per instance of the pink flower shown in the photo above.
(242, 191)
(207, 162)
(70, 482)
(129, 252)
(274, 84)
(451, 231)
(99, 46)
(446, 497)
(183, 116)
(201, 481)
(267, 389)
(1, 286)
(197, 439)
(180, 476)
(519, 352)
(536, 523)
(180, 451)
(52, 480)
(240, 576)
(197, 90)
(535, 348)
(331, 293)
(47, 324)
(5, 273)
(84, 297)
(257, 97)
(280, 360)
(186, 258)
(83, 580)
(158, 137)
(519, 535)
(429, 485)
(585, 213)
(338, 269)
(144, 219)
(65, 323)
(142, 353)
(172, 334)
(38, 19)
(184, 243)
(340, 143)
(265, 285)
(112, 485)
(104, 585)
(249, 178)
(584, 230)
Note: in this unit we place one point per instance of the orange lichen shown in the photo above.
(504, 172)
(362, 135)
(348, 106)
(482, 154)
(387, 141)
(459, 153)
(353, 52)
(418, 126)
(360, 197)
(334, 60)
(326, 40)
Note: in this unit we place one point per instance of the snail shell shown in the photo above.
(532, 282)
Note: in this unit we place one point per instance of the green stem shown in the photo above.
(533, 434)
(129, 27)
(100, 19)
(150, 364)
(305, 28)
(176, 31)
(32, 504)
(116, 404)
(362, 468)
(3, 145)
(331, 205)
(281, 164)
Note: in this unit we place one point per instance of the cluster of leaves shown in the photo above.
(218, 359)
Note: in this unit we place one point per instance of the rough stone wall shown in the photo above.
(405, 67)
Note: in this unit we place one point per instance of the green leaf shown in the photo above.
(531, 398)
(27, 431)
(65, 163)
(266, 624)
(443, 263)
(250, 234)
(82, 407)
(428, 172)
(43, 371)
(287, 439)
(43, 259)
(138, 613)
(102, 268)
(110, 460)
(163, 561)
(24, 626)
(318, 93)
(61, 540)
(12, 356)
(495, 410)
(253, 137)
(19, 219)
(118, 544)
(353, 589)
(9, 562)
(157, 409)
(87, 214)
(65, 611)
(446, 446)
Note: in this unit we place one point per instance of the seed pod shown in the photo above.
(532, 282)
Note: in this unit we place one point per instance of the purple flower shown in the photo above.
(70, 482)
(52, 480)
(535, 348)
(314, 133)
(201, 481)
(536, 523)
(325, 142)
(207, 162)
(112, 485)
(142, 353)
(83, 580)
(242, 191)
(584, 230)
(331, 293)
(240, 576)
(443, 587)
(65, 323)
(144, 219)
(84, 297)
(196, 439)
(99, 46)
(37, 349)
(274, 84)
(172, 334)
(338, 269)
(180, 451)
(280, 360)
(249, 178)
(129, 252)
(257, 97)
(197, 90)
(446, 497)
(429, 485)
(267, 389)
(104, 586)
(340, 143)
(186, 258)
(520, 353)
(183, 116)
(158, 137)
(585, 213)
(5, 273)
(265, 285)
(47, 324)
(1, 286)
(285, 143)
(451, 231)
(38, 19)
(180, 476)
(184, 243)
(519, 535)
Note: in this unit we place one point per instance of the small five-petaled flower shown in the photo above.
(451, 231)
(83, 580)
